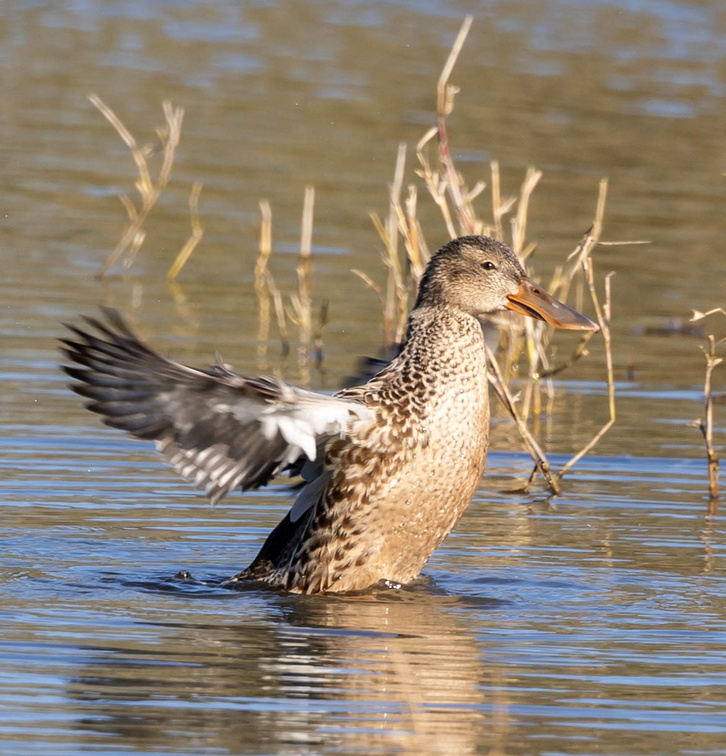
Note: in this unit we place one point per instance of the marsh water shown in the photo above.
(591, 623)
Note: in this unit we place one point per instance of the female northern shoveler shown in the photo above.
(390, 466)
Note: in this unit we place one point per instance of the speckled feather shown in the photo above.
(398, 486)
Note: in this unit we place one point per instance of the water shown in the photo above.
(594, 623)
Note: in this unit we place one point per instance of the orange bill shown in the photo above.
(534, 301)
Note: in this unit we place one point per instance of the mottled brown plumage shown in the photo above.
(390, 465)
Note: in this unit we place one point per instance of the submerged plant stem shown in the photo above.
(502, 390)
(706, 423)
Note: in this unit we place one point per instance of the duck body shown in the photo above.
(399, 484)
(390, 466)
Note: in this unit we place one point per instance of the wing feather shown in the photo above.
(218, 429)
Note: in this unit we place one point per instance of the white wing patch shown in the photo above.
(302, 418)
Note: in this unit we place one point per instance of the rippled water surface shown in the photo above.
(592, 623)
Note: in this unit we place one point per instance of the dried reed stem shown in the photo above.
(368, 281)
(265, 288)
(705, 424)
(455, 202)
(537, 339)
(698, 315)
(534, 337)
(196, 236)
(318, 346)
(280, 315)
(563, 279)
(588, 242)
(445, 94)
(302, 300)
(300, 311)
(148, 189)
(502, 390)
(435, 183)
(579, 351)
(603, 318)
(497, 209)
(262, 275)
(396, 298)
(519, 222)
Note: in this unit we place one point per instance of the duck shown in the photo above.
(387, 467)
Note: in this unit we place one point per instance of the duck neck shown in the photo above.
(445, 348)
(442, 333)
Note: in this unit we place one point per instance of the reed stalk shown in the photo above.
(148, 187)
(266, 288)
(300, 312)
(262, 288)
(501, 388)
(196, 236)
(398, 289)
(405, 253)
(705, 423)
(301, 301)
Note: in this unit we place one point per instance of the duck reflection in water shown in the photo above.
(388, 672)
(389, 466)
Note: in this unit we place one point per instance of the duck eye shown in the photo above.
(488, 265)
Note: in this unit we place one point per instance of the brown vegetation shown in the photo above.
(404, 257)
(705, 423)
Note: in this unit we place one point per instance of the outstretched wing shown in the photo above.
(218, 429)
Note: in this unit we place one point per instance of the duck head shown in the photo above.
(481, 276)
